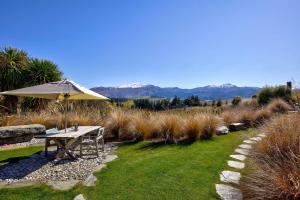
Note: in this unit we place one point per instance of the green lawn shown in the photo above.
(149, 171)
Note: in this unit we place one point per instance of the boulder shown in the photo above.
(222, 130)
(18, 134)
(237, 127)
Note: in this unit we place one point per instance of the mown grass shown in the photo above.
(148, 170)
(7, 156)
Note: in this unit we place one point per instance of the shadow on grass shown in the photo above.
(12, 160)
(150, 145)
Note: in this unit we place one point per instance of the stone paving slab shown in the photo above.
(249, 141)
(230, 177)
(242, 151)
(79, 197)
(227, 192)
(236, 164)
(238, 157)
(262, 135)
(256, 139)
(245, 146)
(63, 185)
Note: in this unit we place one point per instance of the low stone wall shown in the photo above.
(18, 134)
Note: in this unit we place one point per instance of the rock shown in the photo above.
(79, 197)
(18, 134)
(249, 141)
(230, 177)
(227, 192)
(237, 127)
(222, 130)
(100, 167)
(245, 146)
(242, 151)
(257, 139)
(261, 135)
(238, 157)
(236, 164)
(110, 158)
(62, 185)
(90, 181)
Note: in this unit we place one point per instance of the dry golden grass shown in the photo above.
(170, 127)
(118, 124)
(278, 106)
(209, 124)
(275, 162)
(192, 128)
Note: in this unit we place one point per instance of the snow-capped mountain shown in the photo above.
(132, 85)
(137, 90)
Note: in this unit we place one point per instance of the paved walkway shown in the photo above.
(226, 189)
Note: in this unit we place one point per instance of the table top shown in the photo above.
(71, 133)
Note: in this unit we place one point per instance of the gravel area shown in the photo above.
(37, 168)
(32, 142)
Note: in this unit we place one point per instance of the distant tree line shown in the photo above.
(176, 102)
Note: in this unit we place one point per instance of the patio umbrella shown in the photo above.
(61, 90)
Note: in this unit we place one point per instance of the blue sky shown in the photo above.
(162, 42)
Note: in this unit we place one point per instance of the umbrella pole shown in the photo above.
(66, 110)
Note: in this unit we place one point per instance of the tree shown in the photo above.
(42, 71)
(176, 102)
(13, 63)
(266, 94)
(236, 100)
(219, 103)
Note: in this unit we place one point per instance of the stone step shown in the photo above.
(256, 139)
(227, 192)
(79, 197)
(236, 164)
(238, 157)
(245, 146)
(230, 177)
(249, 141)
(242, 151)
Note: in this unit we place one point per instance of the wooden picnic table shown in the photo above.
(67, 141)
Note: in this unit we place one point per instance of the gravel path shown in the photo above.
(37, 168)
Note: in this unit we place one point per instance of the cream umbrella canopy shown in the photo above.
(61, 90)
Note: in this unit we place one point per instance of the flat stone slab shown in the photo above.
(245, 146)
(256, 139)
(90, 181)
(249, 141)
(242, 151)
(230, 177)
(262, 135)
(110, 158)
(236, 164)
(238, 157)
(19, 134)
(227, 192)
(79, 197)
(62, 185)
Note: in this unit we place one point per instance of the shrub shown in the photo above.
(262, 115)
(236, 100)
(248, 117)
(144, 127)
(279, 106)
(118, 125)
(192, 128)
(170, 128)
(230, 117)
(275, 162)
(209, 124)
(266, 94)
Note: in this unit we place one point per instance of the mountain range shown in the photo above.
(209, 92)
